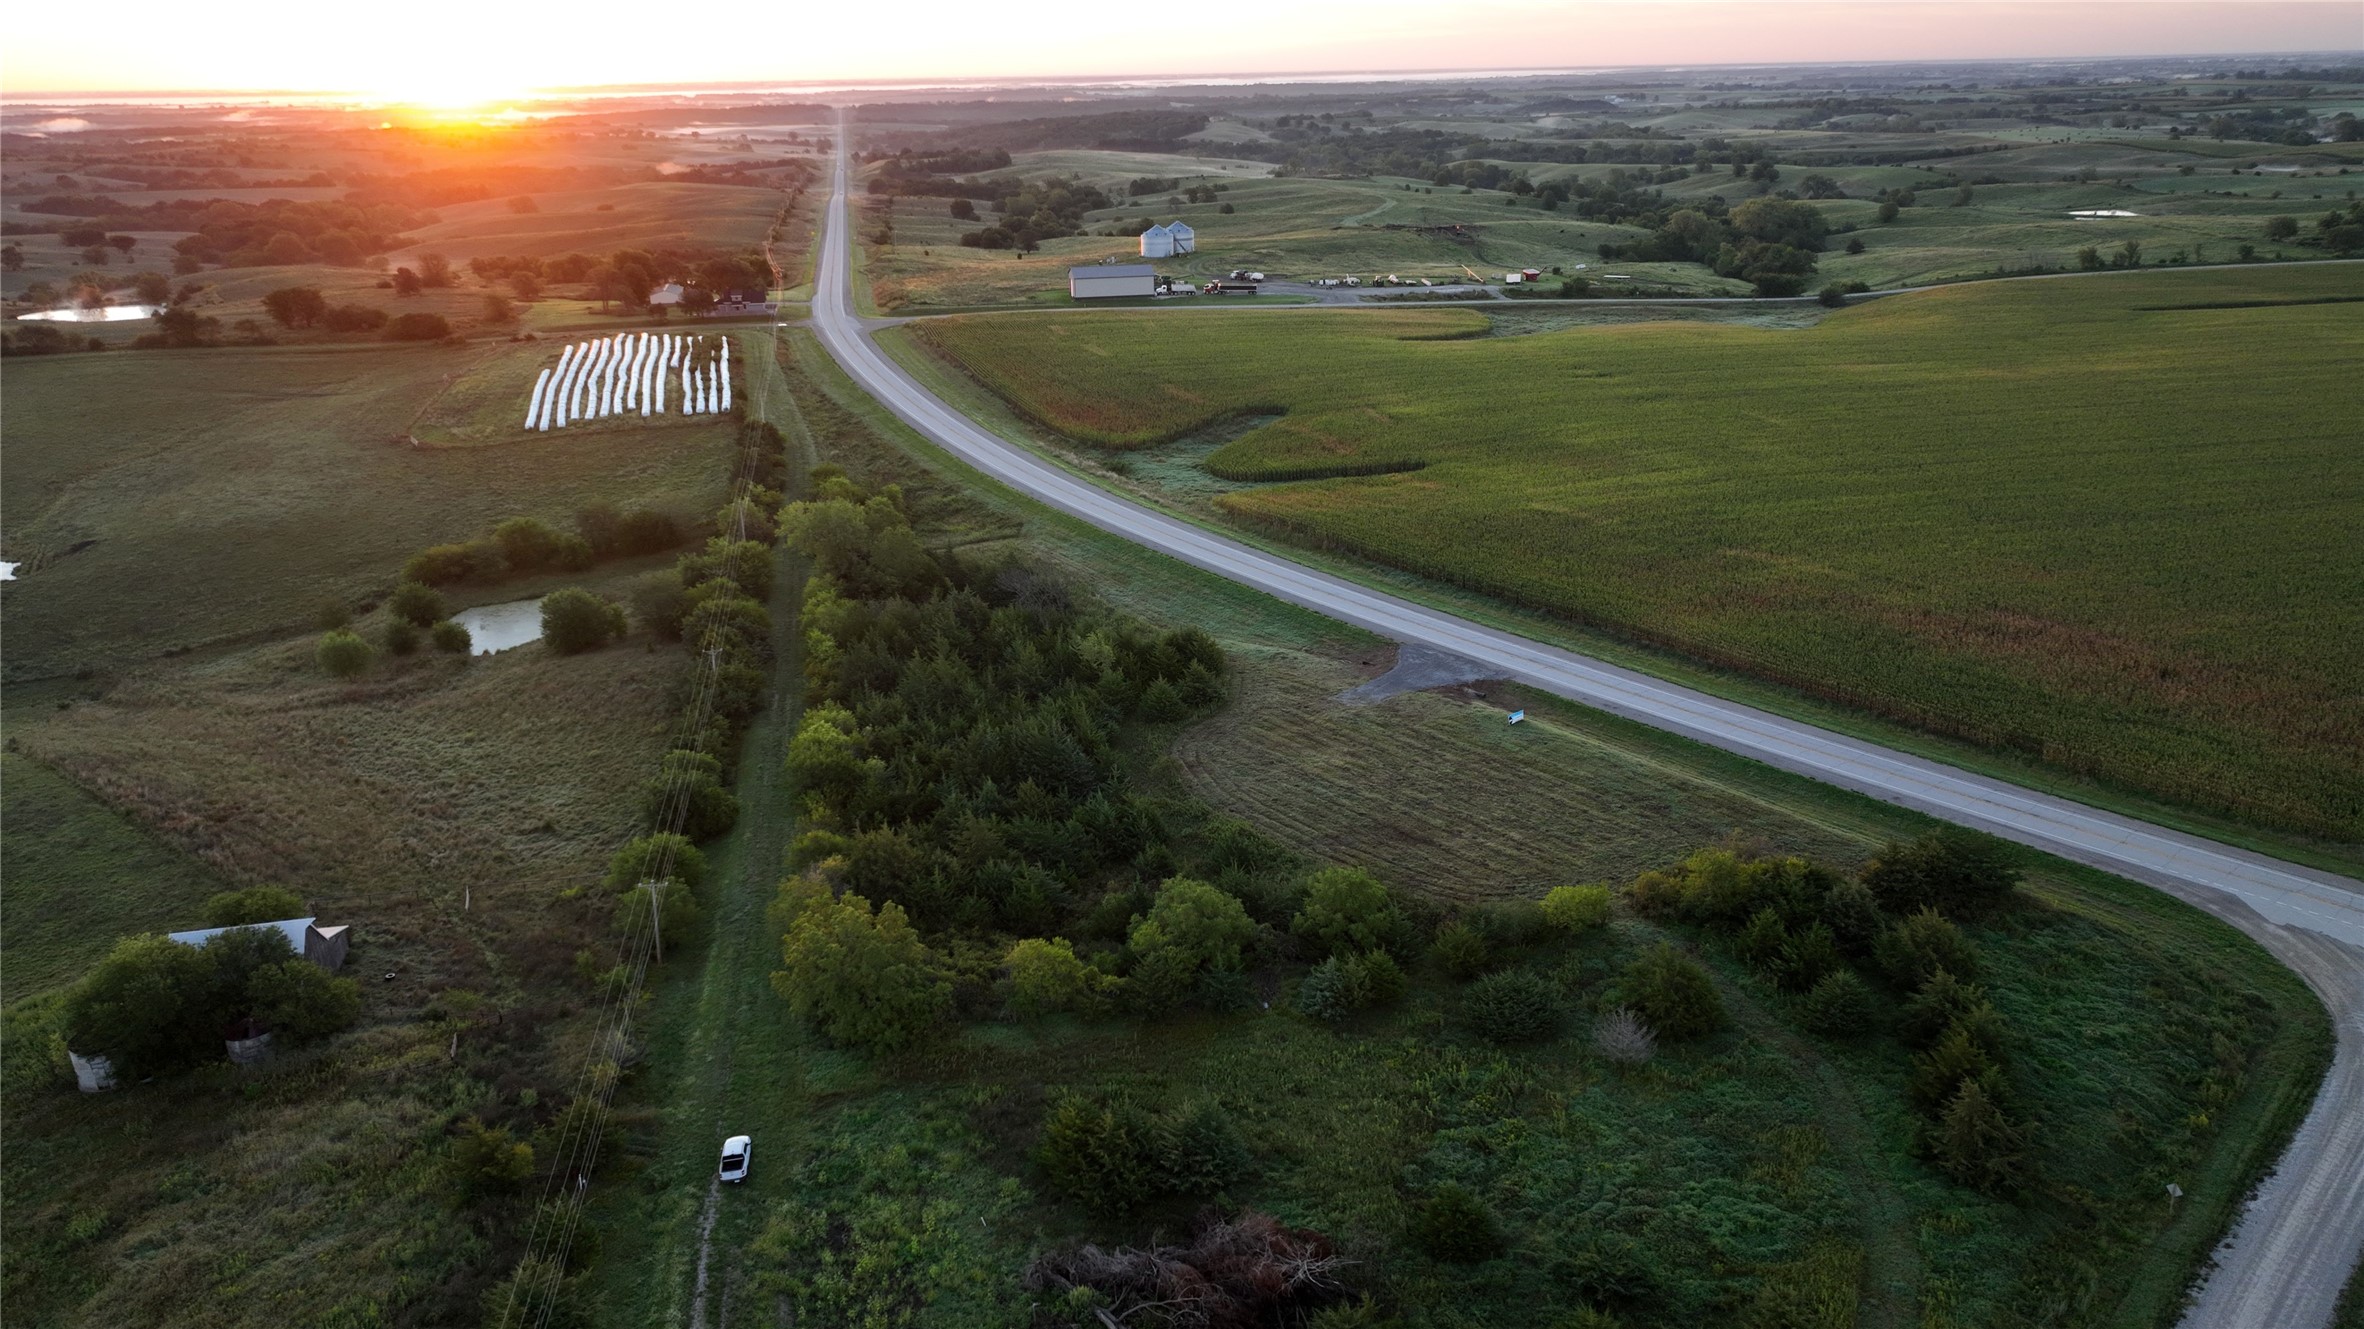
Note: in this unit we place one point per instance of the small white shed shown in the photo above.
(1104, 280)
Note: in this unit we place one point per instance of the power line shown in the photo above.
(566, 1188)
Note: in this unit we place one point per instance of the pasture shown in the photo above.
(166, 499)
(171, 735)
(652, 215)
(2107, 523)
(441, 808)
(2016, 218)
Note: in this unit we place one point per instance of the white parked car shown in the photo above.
(737, 1151)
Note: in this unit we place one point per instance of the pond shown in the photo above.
(499, 627)
(104, 314)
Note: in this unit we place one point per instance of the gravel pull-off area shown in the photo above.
(1418, 668)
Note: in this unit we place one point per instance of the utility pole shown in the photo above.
(655, 920)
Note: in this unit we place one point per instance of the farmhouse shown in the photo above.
(1102, 280)
(322, 946)
(1175, 237)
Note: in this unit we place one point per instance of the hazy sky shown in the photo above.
(456, 50)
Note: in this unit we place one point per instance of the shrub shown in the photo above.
(1046, 976)
(1806, 958)
(417, 603)
(1920, 945)
(487, 1161)
(1511, 1007)
(1576, 909)
(1621, 1037)
(1976, 1145)
(446, 565)
(659, 604)
(1953, 871)
(861, 978)
(1455, 1226)
(1111, 1156)
(1853, 915)
(139, 1006)
(295, 306)
(1513, 923)
(1939, 1073)
(417, 327)
(574, 620)
(600, 523)
(1940, 1000)
(353, 318)
(302, 1002)
(530, 545)
(1383, 980)
(254, 904)
(342, 654)
(673, 906)
(1200, 1151)
(1196, 922)
(1760, 942)
(1462, 950)
(400, 637)
(450, 638)
(331, 615)
(651, 856)
(1673, 994)
(1348, 909)
(644, 531)
(688, 786)
(1839, 1006)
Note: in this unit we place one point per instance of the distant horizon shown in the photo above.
(1198, 78)
(454, 53)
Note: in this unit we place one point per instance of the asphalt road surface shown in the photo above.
(2285, 1263)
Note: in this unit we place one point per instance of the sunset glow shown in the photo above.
(450, 55)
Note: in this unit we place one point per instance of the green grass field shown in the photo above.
(1887, 508)
(162, 499)
(1729, 1160)
(652, 215)
(170, 735)
(440, 809)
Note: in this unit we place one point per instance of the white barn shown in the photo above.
(1102, 280)
(1175, 237)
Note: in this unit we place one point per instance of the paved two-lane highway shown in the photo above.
(2285, 1265)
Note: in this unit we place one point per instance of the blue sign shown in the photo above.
(1516, 716)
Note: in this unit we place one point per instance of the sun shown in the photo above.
(447, 90)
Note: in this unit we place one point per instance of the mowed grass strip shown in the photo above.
(2043, 516)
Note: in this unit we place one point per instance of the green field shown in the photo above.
(1728, 1161)
(163, 499)
(653, 216)
(1890, 508)
(170, 736)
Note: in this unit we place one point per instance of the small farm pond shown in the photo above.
(105, 314)
(499, 627)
